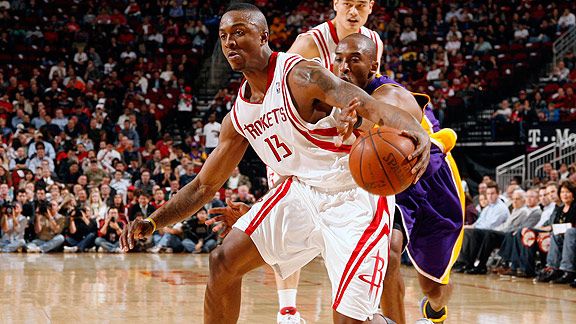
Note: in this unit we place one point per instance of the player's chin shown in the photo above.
(236, 66)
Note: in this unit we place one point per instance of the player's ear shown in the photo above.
(370, 5)
(264, 37)
(334, 4)
(374, 68)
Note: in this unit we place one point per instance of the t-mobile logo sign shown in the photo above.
(563, 137)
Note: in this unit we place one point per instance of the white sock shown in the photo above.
(287, 298)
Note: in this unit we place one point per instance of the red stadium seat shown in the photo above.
(551, 88)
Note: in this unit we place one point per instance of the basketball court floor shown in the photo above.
(147, 288)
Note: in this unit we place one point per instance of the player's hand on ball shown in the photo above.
(135, 230)
(346, 120)
(227, 216)
(421, 153)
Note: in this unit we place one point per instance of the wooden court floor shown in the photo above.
(146, 288)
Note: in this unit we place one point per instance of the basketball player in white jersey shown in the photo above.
(320, 43)
(318, 209)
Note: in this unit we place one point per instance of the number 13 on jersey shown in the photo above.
(276, 146)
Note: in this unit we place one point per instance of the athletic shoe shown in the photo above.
(566, 278)
(91, 250)
(289, 315)
(70, 249)
(549, 275)
(155, 249)
(424, 309)
(573, 284)
(168, 250)
(33, 249)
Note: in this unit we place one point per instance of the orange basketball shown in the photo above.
(379, 161)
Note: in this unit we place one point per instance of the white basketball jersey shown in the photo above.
(287, 144)
(326, 40)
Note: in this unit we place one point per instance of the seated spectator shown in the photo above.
(143, 206)
(109, 232)
(514, 248)
(158, 199)
(13, 225)
(501, 116)
(561, 262)
(82, 231)
(165, 176)
(189, 175)
(145, 184)
(119, 184)
(237, 179)
(482, 46)
(36, 160)
(245, 196)
(48, 226)
(170, 240)
(98, 208)
(198, 237)
(95, 173)
(490, 218)
(560, 72)
(567, 20)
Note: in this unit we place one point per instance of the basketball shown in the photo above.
(379, 161)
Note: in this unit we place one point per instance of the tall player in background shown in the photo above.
(276, 112)
(432, 209)
(320, 43)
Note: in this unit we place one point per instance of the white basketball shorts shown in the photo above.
(294, 223)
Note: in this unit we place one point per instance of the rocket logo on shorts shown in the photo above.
(375, 280)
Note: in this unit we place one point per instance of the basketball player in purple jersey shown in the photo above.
(432, 209)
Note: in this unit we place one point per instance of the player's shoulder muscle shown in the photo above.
(305, 46)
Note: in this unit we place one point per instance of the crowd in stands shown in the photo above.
(91, 94)
(551, 101)
(463, 54)
(524, 231)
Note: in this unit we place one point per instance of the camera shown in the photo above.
(8, 208)
(43, 207)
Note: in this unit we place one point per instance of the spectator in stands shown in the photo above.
(558, 269)
(237, 179)
(81, 231)
(493, 215)
(560, 72)
(109, 232)
(211, 133)
(34, 161)
(145, 184)
(482, 46)
(481, 191)
(567, 20)
(143, 206)
(485, 241)
(245, 196)
(501, 116)
(198, 237)
(48, 226)
(158, 199)
(525, 246)
(189, 175)
(13, 225)
(95, 173)
(170, 241)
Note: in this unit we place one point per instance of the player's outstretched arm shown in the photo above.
(197, 193)
(308, 81)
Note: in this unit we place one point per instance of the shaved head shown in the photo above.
(251, 15)
(359, 43)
